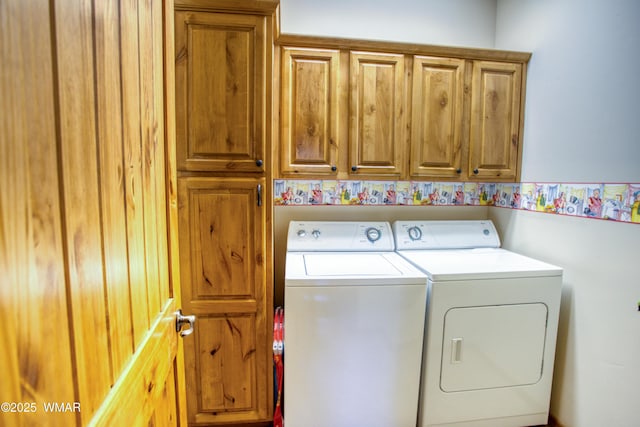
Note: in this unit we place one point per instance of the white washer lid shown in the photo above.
(350, 268)
(481, 263)
(332, 264)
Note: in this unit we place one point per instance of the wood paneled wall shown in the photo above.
(84, 264)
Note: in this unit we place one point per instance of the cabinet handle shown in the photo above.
(475, 171)
(458, 171)
(259, 195)
(334, 168)
(354, 168)
(259, 162)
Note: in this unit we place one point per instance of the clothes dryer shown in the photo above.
(492, 321)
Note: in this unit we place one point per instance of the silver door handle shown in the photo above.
(183, 320)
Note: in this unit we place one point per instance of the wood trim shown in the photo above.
(171, 182)
(134, 389)
(263, 7)
(404, 48)
(523, 95)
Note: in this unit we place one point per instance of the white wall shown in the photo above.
(582, 116)
(582, 123)
(597, 368)
(468, 23)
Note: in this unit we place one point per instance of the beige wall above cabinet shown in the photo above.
(378, 110)
(220, 91)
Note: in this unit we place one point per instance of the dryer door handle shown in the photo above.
(456, 350)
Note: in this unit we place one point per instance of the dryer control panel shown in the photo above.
(423, 235)
(338, 236)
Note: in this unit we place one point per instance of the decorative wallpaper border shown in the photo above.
(615, 202)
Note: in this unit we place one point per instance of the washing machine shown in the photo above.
(354, 327)
(492, 321)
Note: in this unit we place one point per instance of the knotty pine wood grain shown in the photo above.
(34, 329)
(221, 91)
(224, 282)
(496, 104)
(311, 111)
(377, 116)
(437, 105)
(112, 178)
(79, 180)
(83, 212)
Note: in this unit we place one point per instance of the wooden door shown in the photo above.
(436, 125)
(496, 107)
(310, 112)
(220, 91)
(224, 263)
(89, 282)
(376, 116)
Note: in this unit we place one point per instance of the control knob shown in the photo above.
(415, 233)
(373, 234)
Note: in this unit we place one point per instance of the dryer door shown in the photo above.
(493, 346)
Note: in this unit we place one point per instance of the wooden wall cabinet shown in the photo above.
(437, 134)
(377, 114)
(342, 113)
(310, 111)
(496, 118)
(223, 55)
(357, 109)
(221, 61)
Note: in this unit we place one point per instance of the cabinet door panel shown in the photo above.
(220, 73)
(436, 127)
(224, 282)
(226, 363)
(495, 120)
(222, 234)
(377, 120)
(310, 112)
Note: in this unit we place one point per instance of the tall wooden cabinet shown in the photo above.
(379, 110)
(223, 54)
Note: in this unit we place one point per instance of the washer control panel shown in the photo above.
(422, 235)
(339, 236)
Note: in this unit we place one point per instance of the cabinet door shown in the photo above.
(376, 117)
(436, 126)
(224, 282)
(495, 121)
(310, 111)
(220, 91)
